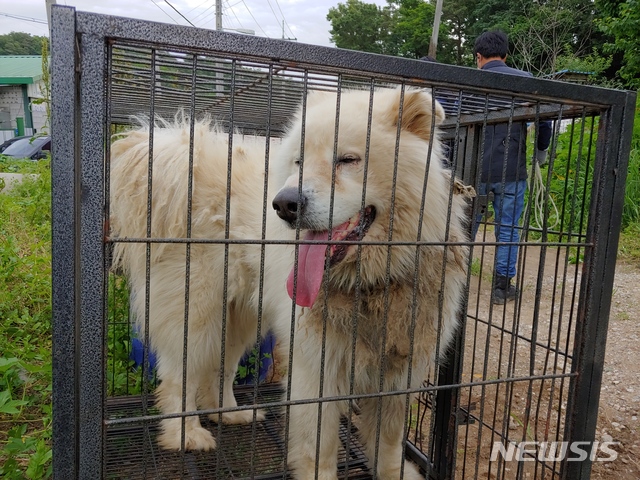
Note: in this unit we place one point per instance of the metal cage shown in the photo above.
(525, 371)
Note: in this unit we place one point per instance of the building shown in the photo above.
(572, 76)
(21, 86)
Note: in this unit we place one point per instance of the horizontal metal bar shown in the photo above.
(337, 398)
(333, 60)
(231, 241)
(524, 113)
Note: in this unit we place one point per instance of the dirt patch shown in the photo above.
(620, 393)
(534, 338)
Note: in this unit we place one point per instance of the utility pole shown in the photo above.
(433, 44)
(218, 14)
(286, 38)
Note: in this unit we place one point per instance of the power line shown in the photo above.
(284, 19)
(26, 19)
(234, 14)
(204, 19)
(254, 19)
(152, 1)
(176, 10)
(273, 11)
(195, 8)
(204, 11)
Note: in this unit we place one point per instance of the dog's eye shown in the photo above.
(296, 162)
(349, 158)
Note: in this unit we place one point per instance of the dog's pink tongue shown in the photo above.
(310, 270)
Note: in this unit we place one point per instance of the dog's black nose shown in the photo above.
(286, 203)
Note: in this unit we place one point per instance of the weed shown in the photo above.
(476, 267)
(25, 309)
(629, 248)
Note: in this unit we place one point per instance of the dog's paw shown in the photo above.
(410, 472)
(238, 418)
(322, 474)
(195, 438)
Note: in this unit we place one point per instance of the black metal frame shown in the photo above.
(81, 56)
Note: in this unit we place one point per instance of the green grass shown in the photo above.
(25, 325)
(629, 247)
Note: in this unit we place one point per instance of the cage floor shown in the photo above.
(244, 451)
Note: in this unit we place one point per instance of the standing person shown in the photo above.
(504, 168)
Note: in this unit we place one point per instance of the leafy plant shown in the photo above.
(249, 368)
(25, 309)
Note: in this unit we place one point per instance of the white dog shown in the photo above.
(340, 290)
(374, 293)
(213, 294)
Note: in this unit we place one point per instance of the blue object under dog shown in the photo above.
(246, 369)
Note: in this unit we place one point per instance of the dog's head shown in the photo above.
(361, 180)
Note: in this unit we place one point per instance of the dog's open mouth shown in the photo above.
(311, 257)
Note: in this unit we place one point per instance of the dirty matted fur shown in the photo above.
(393, 299)
(206, 287)
(355, 294)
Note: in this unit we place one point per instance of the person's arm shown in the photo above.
(544, 139)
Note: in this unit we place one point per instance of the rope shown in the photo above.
(537, 193)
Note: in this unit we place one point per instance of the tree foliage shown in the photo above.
(20, 43)
(621, 21)
(602, 37)
(412, 25)
(357, 25)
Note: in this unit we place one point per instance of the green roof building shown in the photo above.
(21, 84)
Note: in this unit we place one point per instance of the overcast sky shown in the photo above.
(305, 20)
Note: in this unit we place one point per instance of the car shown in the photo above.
(8, 142)
(34, 148)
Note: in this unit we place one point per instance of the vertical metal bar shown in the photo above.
(446, 403)
(64, 237)
(108, 247)
(92, 288)
(614, 144)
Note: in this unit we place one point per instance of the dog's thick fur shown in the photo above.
(398, 315)
(388, 313)
(206, 280)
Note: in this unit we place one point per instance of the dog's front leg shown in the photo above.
(304, 451)
(381, 428)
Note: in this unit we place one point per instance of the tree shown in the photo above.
(453, 39)
(540, 31)
(600, 36)
(20, 43)
(547, 30)
(412, 26)
(621, 20)
(356, 25)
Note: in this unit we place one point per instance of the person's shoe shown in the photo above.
(503, 290)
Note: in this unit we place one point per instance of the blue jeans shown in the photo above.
(508, 203)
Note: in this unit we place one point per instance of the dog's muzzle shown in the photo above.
(288, 204)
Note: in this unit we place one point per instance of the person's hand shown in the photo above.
(541, 157)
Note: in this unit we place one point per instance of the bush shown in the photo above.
(631, 211)
(572, 176)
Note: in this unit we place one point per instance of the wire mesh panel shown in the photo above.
(201, 181)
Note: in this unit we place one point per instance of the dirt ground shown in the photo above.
(620, 393)
(535, 410)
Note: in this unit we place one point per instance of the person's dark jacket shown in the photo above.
(497, 136)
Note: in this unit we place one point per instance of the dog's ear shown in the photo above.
(419, 110)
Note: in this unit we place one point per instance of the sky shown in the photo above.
(304, 20)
